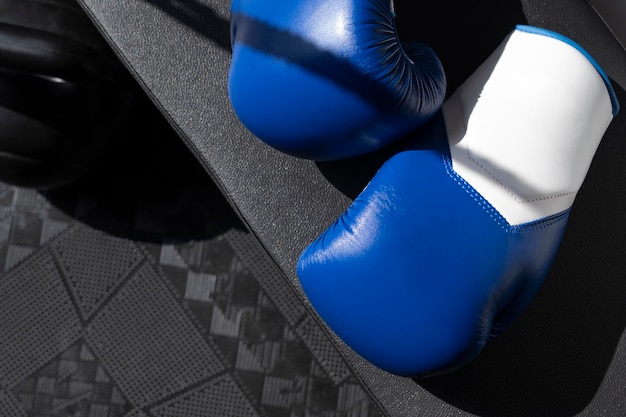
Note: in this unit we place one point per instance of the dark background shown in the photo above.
(189, 197)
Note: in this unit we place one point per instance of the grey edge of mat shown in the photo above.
(179, 52)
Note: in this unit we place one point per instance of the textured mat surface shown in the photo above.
(137, 292)
(566, 356)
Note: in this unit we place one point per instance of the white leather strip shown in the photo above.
(525, 126)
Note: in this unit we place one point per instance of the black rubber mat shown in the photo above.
(137, 292)
(151, 333)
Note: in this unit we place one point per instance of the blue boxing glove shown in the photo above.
(328, 79)
(453, 236)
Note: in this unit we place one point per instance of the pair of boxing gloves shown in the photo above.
(454, 235)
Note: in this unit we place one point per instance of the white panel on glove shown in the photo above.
(523, 132)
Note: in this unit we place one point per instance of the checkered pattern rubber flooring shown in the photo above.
(137, 292)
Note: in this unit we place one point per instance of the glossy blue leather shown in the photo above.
(328, 79)
(420, 271)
